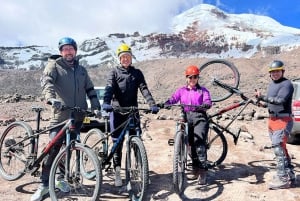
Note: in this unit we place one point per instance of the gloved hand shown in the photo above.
(206, 106)
(97, 113)
(104, 113)
(56, 104)
(154, 109)
(107, 107)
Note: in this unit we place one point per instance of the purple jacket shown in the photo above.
(195, 96)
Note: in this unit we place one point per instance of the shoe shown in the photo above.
(62, 186)
(202, 177)
(118, 179)
(193, 173)
(39, 193)
(279, 183)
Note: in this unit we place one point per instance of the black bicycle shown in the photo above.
(76, 164)
(136, 163)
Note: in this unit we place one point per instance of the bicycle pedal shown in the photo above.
(171, 142)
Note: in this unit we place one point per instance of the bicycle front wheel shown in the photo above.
(223, 71)
(216, 146)
(179, 163)
(66, 181)
(137, 170)
(15, 148)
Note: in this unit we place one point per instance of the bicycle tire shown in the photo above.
(14, 151)
(179, 163)
(92, 139)
(137, 169)
(216, 147)
(81, 189)
(223, 71)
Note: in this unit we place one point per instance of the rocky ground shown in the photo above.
(245, 173)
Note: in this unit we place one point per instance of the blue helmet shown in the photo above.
(67, 41)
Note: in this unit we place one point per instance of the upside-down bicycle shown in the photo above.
(136, 162)
(76, 162)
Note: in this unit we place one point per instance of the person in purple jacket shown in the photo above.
(194, 94)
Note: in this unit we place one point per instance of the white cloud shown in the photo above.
(41, 22)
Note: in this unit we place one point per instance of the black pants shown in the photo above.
(198, 129)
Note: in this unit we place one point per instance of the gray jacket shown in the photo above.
(68, 85)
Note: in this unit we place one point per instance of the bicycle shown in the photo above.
(216, 143)
(136, 168)
(19, 145)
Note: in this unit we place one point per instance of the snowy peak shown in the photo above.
(202, 31)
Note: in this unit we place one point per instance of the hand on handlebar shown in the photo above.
(107, 107)
(154, 109)
(56, 104)
(97, 113)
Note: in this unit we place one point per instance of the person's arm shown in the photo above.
(281, 97)
(108, 93)
(92, 95)
(47, 81)
(144, 89)
(206, 98)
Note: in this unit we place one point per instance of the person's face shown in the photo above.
(125, 60)
(192, 80)
(68, 52)
(276, 74)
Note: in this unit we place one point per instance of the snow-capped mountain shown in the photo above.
(203, 31)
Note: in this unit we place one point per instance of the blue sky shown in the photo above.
(286, 12)
(38, 22)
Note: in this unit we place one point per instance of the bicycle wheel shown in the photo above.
(95, 139)
(223, 71)
(15, 148)
(179, 161)
(137, 170)
(216, 147)
(77, 187)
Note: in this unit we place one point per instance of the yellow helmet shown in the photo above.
(123, 48)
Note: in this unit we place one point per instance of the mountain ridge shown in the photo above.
(203, 31)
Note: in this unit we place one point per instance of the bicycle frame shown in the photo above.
(128, 125)
(243, 104)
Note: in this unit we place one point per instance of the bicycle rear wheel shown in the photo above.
(216, 147)
(15, 148)
(223, 71)
(78, 186)
(137, 170)
(179, 161)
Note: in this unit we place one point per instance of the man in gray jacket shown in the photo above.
(64, 82)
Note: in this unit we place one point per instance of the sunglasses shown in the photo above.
(193, 77)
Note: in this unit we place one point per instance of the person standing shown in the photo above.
(279, 103)
(192, 94)
(121, 90)
(64, 82)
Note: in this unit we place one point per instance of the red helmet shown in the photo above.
(192, 70)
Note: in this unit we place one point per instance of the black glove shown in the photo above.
(154, 109)
(56, 104)
(97, 113)
(107, 107)
(206, 106)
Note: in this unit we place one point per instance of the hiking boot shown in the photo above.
(202, 177)
(62, 186)
(118, 179)
(39, 193)
(279, 183)
(193, 173)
